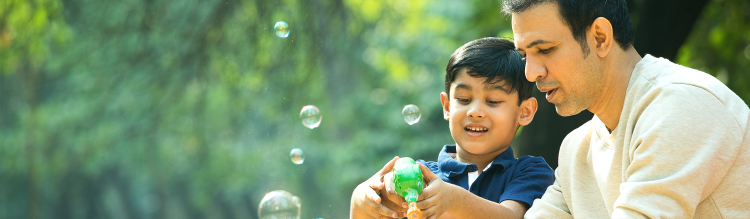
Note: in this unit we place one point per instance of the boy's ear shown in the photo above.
(528, 110)
(446, 105)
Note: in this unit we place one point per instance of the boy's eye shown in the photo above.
(546, 51)
(461, 100)
(494, 102)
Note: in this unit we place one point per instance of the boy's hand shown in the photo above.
(366, 203)
(436, 197)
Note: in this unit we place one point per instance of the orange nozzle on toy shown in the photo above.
(413, 212)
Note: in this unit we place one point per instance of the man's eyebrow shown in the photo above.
(537, 42)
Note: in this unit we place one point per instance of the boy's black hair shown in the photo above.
(580, 14)
(494, 59)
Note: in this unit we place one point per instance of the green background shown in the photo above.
(189, 109)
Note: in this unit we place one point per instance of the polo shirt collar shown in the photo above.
(451, 167)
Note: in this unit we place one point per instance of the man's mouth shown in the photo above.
(550, 94)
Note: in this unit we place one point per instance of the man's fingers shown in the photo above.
(375, 184)
(380, 211)
(392, 196)
(390, 192)
(376, 181)
(372, 196)
(393, 206)
(389, 166)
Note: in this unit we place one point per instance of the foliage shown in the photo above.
(720, 45)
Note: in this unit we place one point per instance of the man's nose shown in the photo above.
(534, 70)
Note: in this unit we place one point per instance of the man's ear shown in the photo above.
(446, 105)
(601, 32)
(528, 110)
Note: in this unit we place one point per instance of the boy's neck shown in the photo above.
(481, 160)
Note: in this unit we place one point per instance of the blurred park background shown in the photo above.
(189, 109)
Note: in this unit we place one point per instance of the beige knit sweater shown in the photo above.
(681, 150)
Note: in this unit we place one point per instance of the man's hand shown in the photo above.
(389, 193)
(436, 198)
(366, 203)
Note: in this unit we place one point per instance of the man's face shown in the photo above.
(555, 61)
(483, 118)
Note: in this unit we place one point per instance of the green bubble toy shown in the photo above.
(408, 180)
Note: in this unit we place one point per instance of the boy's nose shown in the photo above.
(476, 111)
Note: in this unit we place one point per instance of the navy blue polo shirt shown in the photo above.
(508, 178)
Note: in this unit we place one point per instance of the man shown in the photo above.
(666, 141)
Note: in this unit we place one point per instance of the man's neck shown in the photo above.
(618, 70)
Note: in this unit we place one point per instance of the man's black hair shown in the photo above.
(580, 14)
(494, 59)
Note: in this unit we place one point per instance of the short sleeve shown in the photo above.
(529, 181)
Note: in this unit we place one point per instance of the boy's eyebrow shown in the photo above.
(463, 86)
(497, 87)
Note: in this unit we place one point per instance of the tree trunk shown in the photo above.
(663, 26)
(32, 85)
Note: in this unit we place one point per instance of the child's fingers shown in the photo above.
(428, 203)
(428, 175)
(429, 213)
(427, 192)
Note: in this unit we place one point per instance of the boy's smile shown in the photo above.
(475, 130)
(483, 118)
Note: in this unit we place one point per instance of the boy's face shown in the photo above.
(483, 118)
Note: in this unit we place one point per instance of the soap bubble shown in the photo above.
(297, 156)
(279, 204)
(282, 29)
(310, 116)
(411, 114)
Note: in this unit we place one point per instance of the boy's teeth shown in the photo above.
(475, 129)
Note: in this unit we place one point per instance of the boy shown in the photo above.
(486, 99)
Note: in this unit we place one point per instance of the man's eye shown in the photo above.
(545, 51)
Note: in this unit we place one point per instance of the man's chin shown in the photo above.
(566, 111)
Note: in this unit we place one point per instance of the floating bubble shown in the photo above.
(282, 29)
(411, 114)
(297, 156)
(279, 204)
(310, 116)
